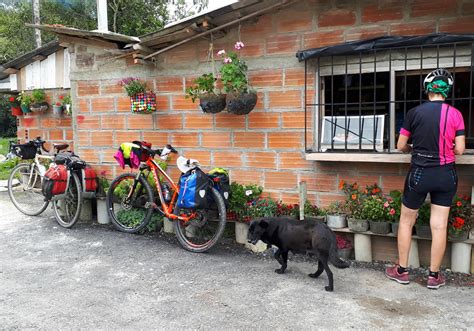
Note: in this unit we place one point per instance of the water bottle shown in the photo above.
(42, 169)
(166, 192)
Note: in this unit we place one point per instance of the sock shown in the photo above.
(434, 274)
(401, 269)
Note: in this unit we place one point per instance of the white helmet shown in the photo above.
(440, 73)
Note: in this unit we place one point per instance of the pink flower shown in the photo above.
(386, 204)
(238, 45)
(221, 52)
(392, 211)
(227, 60)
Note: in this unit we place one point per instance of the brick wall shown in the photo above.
(265, 147)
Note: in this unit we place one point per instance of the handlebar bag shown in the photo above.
(193, 189)
(55, 181)
(25, 151)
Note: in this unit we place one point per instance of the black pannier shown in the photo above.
(70, 160)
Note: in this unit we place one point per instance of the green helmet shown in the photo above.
(438, 81)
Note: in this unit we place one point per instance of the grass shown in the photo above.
(7, 166)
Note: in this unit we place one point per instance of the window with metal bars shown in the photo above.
(360, 100)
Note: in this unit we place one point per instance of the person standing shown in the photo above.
(437, 133)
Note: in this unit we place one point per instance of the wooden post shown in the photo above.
(302, 197)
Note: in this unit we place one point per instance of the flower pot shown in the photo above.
(67, 109)
(241, 104)
(380, 227)
(344, 253)
(458, 236)
(241, 232)
(315, 218)
(212, 103)
(102, 214)
(25, 109)
(358, 225)
(336, 221)
(57, 110)
(395, 228)
(423, 231)
(17, 111)
(39, 107)
(143, 103)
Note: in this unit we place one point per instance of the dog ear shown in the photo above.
(264, 224)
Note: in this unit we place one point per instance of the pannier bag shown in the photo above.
(193, 189)
(25, 151)
(89, 179)
(54, 181)
(70, 160)
(221, 182)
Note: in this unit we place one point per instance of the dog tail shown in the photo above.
(334, 257)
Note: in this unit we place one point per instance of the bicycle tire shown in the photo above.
(34, 203)
(67, 211)
(129, 216)
(188, 239)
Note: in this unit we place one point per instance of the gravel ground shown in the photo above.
(91, 276)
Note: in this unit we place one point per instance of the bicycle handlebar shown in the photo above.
(40, 143)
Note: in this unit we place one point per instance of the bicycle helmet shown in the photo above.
(438, 81)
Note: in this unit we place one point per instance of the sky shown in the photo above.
(213, 4)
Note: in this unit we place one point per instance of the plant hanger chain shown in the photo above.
(210, 58)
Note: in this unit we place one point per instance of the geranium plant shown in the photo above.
(373, 208)
(460, 215)
(343, 242)
(234, 70)
(24, 99)
(203, 85)
(354, 198)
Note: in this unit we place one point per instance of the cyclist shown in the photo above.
(437, 133)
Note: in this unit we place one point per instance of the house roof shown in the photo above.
(30, 57)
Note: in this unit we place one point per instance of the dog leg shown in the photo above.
(277, 256)
(283, 258)
(319, 271)
(330, 287)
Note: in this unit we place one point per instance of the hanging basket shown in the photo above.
(16, 111)
(39, 107)
(57, 110)
(241, 104)
(25, 109)
(143, 103)
(212, 103)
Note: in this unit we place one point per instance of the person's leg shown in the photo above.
(405, 228)
(439, 225)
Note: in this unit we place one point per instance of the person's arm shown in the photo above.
(459, 145)
(402, 144)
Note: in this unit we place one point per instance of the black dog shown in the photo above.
(313, 237)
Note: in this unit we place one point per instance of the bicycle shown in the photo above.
(131, 202)
(25, 181)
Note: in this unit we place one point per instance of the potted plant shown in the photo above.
(336, 215)
(373, 209)
(210, 100)
(422, 224)
(354, 199)
(344, 247)
(25, 101)
(392, 211)
(240, 98)
(313, 212)
(15, 108)
(58, 106)
(143, 99)
(459, 222)
(103, 186)
(38, 101)
(288, 210)
(67, 104)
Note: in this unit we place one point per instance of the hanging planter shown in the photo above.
(57, 110)
(39, 104)
(210, 99)
(25, 109)
(241, 104)
(143, 103)
(212, 103)
(16, 111)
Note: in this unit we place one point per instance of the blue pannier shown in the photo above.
(193, 189)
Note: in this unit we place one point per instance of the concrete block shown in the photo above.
(102, 214)
(86, 210)
(461, 257)
(413, 257)
(168, 226)
(362, 247)
(259, 247)
(241, 232)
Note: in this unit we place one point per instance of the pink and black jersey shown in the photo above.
(433, 126)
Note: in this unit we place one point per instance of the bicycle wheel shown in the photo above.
(201, 233)
(24, 189)
(130, 212)
(68, 210)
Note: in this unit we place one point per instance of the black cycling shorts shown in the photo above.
(440, 182)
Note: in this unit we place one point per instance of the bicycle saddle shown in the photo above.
(60, 147)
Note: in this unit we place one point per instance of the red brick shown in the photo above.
(467, 8)
(29, 122)
(290, 198)
(257, 28)
(107, 154)
(259, 120)
(116, 122)
(261, 160)
(293, 120)
(390, 183)
(204, 158)
(83, 138)
(282, 44)
(285, 99)
(225, 120)
(361, 180)
(382, 11)
(139, 122)
(412, 29)
(280, 180)
(179, 102)
(123, 104)
(319, 182)
(125, 136)
(85, 122)
(56, 135)
(291, 140)
(90, 155)
(253, 48)
(102, 138)
(111, 88)
(295, 77)
(227, 159)
(162, 103)
(266, 78)
(249, 139)
(181, 54)
(433, 8)
(294, 160)
(180, 140)
(336, 17)
(216, 139)
(198, 121)
(457, 25)
(102, 105)
(246, 177)
(323, 38)
(366, 33)
(65, 122)
(49, 123)
(69, 136)
(82, 105)
(292, 21)
(87, 89)
(169, 84)
(169, 122)
(324, 200)
(158, 139)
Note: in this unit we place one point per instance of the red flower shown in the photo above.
(58, 103)
(458, 222)
(459, 203)
(392, 212)
(61, 97)
(354, 196)
(11, 99)
(341, 184)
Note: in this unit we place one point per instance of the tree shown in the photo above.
(7, 121)
(180, 9)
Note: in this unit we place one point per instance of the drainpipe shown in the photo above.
(36, 21)
(102, 22)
